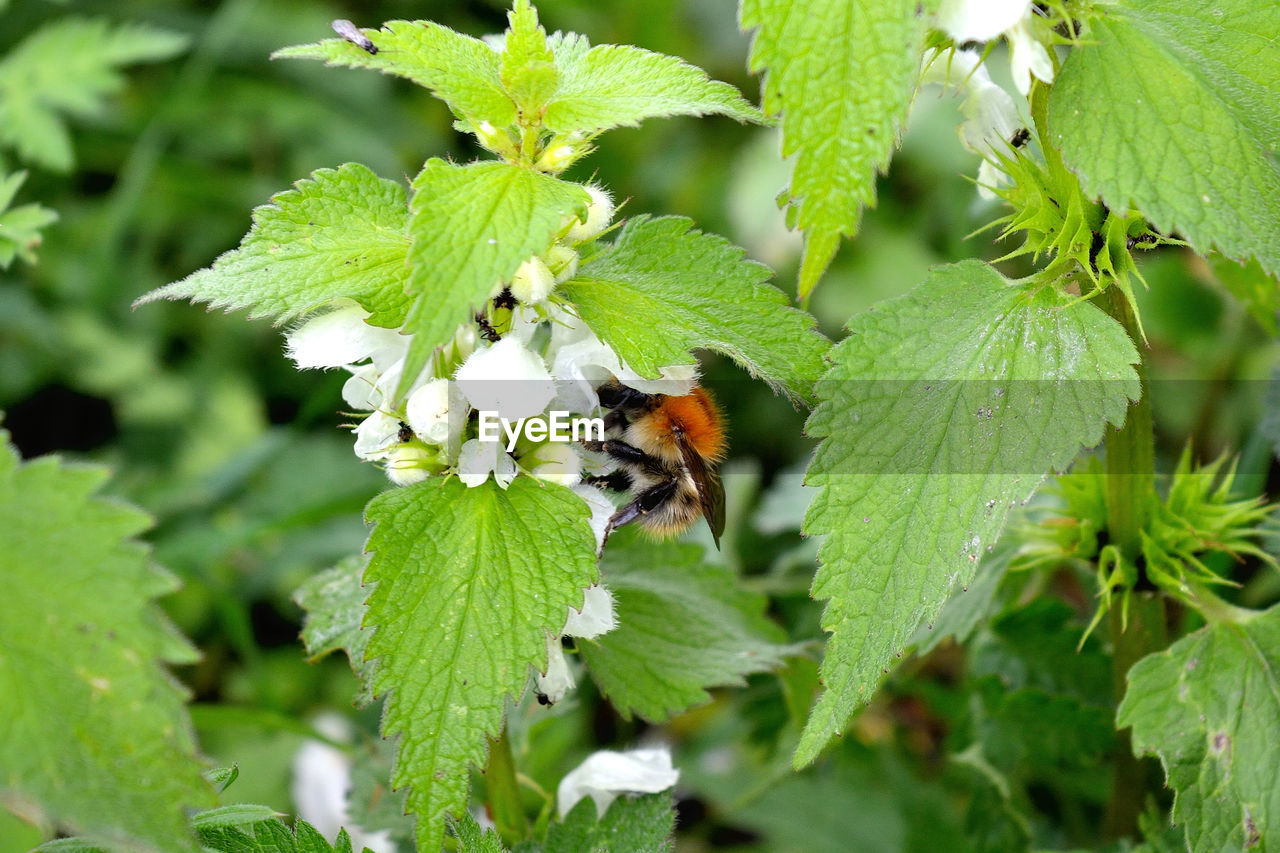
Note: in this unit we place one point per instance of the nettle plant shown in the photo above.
(496, 285)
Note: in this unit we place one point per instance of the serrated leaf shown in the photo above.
(841, 74)
(942, 409)
(468, 585)
(237, 814)
(966, 606)
(1174, 109)
(1209, 706)
(69, 67)
(665, 289)
(271, 836)
(472, 226)
(334, 602)
(341, 233)
(94, 728)
(460, 70)
(20, 226)
(527, 66)
(472, 839)
(631, 825)
(684, 625)
(620, 86)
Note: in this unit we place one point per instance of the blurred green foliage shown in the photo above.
(243, 461)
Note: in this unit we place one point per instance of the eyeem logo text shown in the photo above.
(557, 426)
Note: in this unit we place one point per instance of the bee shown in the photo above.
(666, 453)
(351, 33)
(1020, 137)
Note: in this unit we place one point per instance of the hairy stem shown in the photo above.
(504, 791)
(1130, 467)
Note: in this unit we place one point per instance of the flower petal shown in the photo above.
(596, 616)
(606, 774)
(979, 20)
(427, 411)
(558, 680)
(338, 338)
(508, 379)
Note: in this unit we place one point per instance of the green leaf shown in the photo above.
(527, 66)
(473, 839)
(842, 75)
(966, 606)
(631, 825)
(20, 226)
(665, 289)
(620, 86)
(1175, 110)
(1208, 706)
(95, 729)
(684, 625)
(1258, 292)
(237, 814)
(472, 226)
(943, 409)
(271, 836)
(468, 585)
(334, 602)
(460, 70)
(342, 233)
(68, 67)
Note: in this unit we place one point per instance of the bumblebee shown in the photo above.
(666, 452)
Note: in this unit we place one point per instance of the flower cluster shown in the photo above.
(527, 355)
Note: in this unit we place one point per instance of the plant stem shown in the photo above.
(504, 792)
(1130, 467)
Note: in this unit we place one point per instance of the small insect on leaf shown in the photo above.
(351, 33)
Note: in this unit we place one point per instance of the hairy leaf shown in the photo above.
(620, 86)
(665, 289)
(943, 409)
(20, 226)
(460, 70)
(69, 67)
(1173, 108)
(468, 585)
(94, 728)
(631, 825)
(342, 233)
(334, 602)
(472, 227)
(841, 73)
(271, 836)
(684, 625)
(1208, 706)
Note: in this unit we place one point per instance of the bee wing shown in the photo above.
(710, 489)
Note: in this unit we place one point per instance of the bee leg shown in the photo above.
(614, 481)
(615, 395)
(645, 503)
(624, 452)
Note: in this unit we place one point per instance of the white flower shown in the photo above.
(599, 214)
(478, 459)
(508, 379)
(596, 616)
(427, 411)
(555, 462)
(554, 684)
(580, 361)
(409, 464)
(602, 509)
(606, 774)
(1027, 56)
(321, 783)
(991, 118)
(533, 282)
(339, 337)
(983, 20)
(376, 436)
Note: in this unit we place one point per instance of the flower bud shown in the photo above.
(555, 463)
(533, 282)
(427, 411)
(563, 262)
(409, 464)
(557, 158)
(599, 215)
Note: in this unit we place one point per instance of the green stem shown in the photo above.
(1130, 453)
(1130, 467)
(504, 791)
